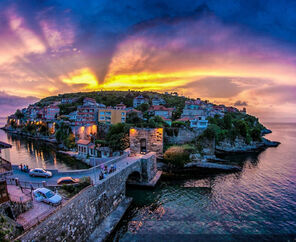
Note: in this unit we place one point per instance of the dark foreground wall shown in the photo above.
(78, 218)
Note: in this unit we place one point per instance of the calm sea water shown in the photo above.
(35, 153)
(258, 203)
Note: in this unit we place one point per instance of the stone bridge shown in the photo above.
(81, 216)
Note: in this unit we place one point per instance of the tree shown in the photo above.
(117, 136)
(133, 118)
(143, 107)
(256, 134)
(227, 119)
(18, 114)
(242, 127)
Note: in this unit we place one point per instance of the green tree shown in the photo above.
(256, 134)
(242, 127)
(117, 136)
(143, 107)
(227, 119)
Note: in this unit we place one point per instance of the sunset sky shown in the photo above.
(233, 52)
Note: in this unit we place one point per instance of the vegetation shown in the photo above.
(71, 190)
(18, 114)
(234, 125)
(117, 137)
(178, 156)
(5, 229)
(64, 135)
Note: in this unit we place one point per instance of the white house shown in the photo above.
(139, 100)
(82, 145)
(199, 122)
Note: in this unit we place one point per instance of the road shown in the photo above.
(92, 173)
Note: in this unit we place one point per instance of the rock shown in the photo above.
(270, 143)
(265, 131)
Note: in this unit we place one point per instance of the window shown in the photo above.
(102, 118)
(108, 113)
(102, 113)
(123, 114)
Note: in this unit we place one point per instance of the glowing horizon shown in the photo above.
(199, 51)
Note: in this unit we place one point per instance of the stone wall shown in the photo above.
(153, 137)
(16, 208)
(8, 213)
(183, 136)
(78, 218)
(149, 166)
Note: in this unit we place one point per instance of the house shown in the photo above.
(129, 111)
(199, 122)
(82, 146)
(72, 116)
(89, 101)
(193, 108)
(104, 152)
(68, 100)
(51, 111)
(158, 101)
(161, 111)
(139, 100)
(232, 110)
(87, 113)
(120, 106)
(111, 115)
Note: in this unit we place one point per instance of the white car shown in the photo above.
(40, 172)
(47, 196)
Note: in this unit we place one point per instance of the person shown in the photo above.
(31, 187)
(24, 167)
(21, 166)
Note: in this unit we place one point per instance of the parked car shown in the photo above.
(40, 172)
(47, 196)
(67, 180)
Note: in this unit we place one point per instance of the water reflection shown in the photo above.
(38, 154)
(259, 200)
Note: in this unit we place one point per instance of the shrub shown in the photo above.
(177, 156)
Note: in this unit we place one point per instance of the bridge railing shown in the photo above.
(23, 184)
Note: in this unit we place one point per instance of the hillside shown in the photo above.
(112, 98)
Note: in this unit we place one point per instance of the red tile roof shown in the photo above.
(160, 108)
(83, 142)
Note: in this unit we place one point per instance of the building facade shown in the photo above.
(111, 116)
(51, 111)
(161, 111)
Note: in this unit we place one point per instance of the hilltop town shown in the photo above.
(96, 124)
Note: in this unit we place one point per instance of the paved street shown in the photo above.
(24, 177)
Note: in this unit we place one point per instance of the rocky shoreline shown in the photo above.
(239, 146)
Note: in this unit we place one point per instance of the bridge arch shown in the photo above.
(134, 177)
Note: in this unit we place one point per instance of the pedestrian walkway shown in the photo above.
(16, 194)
